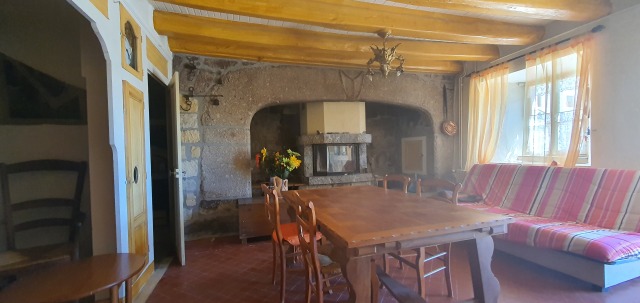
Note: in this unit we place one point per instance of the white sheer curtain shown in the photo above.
(487, 105)
(558, 104)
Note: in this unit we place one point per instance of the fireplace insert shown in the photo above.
(335, 159)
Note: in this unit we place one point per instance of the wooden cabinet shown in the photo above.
(252, 218)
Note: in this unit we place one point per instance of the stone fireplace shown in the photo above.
(334, 139)
(336, 158)
(218, 147)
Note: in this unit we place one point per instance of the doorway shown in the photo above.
(161, 163)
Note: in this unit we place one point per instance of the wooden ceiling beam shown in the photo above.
(221, 49)
(371, 18)
(177, 25)
(566, 10)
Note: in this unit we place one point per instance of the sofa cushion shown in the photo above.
(525, 184)
(616, 202)
(566, 193)
(491, 181)
(603, 245)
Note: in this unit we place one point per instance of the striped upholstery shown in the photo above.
(524, 188)
(588, 211)
(612, 200)
(566, 193)
(604, 245)
(479, 179)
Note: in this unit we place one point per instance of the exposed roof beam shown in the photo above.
(365, 17)
(222, 49)
(568, 10)
(175, 25)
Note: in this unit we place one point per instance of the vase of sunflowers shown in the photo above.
(278, 164)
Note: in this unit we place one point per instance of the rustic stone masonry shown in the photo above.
(216, 141)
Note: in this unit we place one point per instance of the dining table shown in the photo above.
(75, 280)
(365, 221)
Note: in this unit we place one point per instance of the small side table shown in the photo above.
(76, 280)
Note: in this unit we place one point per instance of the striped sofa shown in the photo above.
(584, 222)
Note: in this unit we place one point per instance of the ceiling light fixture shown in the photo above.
(384, 56)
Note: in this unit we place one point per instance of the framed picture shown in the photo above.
(29, 96)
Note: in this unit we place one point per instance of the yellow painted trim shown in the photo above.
(143, 278)
(102, 6)
(156, 58)
(124, 17)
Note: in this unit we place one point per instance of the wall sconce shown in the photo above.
(187, 99)
(384, 56)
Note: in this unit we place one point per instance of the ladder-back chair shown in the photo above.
(436, 254)
(396, 179)
(320, 269)
(41, 204)
(283, 237)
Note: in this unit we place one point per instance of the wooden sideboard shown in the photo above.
(252, 219)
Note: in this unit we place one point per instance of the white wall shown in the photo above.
(616, 93)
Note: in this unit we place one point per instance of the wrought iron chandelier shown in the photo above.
(384, 56)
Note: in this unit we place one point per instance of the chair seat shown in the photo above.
(290, 234)
(14, 261)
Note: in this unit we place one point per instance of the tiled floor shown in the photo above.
(223, 270)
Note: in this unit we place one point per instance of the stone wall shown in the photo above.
(216, 141)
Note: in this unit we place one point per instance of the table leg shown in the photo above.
(357, 272)
(114, 293)
(128, 293)
(486, 287)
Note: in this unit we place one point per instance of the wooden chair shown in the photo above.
(398, 291)
(398, 179)
(404, 181)
(283, 237)
(433, 185)
(437, 253)
(320, 269)
(33, 222)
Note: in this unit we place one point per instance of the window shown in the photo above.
(554, 104)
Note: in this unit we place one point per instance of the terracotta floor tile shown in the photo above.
(224, 270)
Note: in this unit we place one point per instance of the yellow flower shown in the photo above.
(295, 162)
(264, 153)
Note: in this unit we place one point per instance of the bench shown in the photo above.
(584, 222)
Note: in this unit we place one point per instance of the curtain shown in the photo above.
(582, 114)
(558, 103)
(487, 105)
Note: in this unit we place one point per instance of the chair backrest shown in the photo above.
(307, 234)
(25, 208)
(272, 208)
(278, 182)
(399, 179)
(436, 184)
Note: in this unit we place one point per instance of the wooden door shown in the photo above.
(176, 171)
(136, 174)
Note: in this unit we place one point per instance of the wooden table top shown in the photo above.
(361, 216)
(73, 280)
